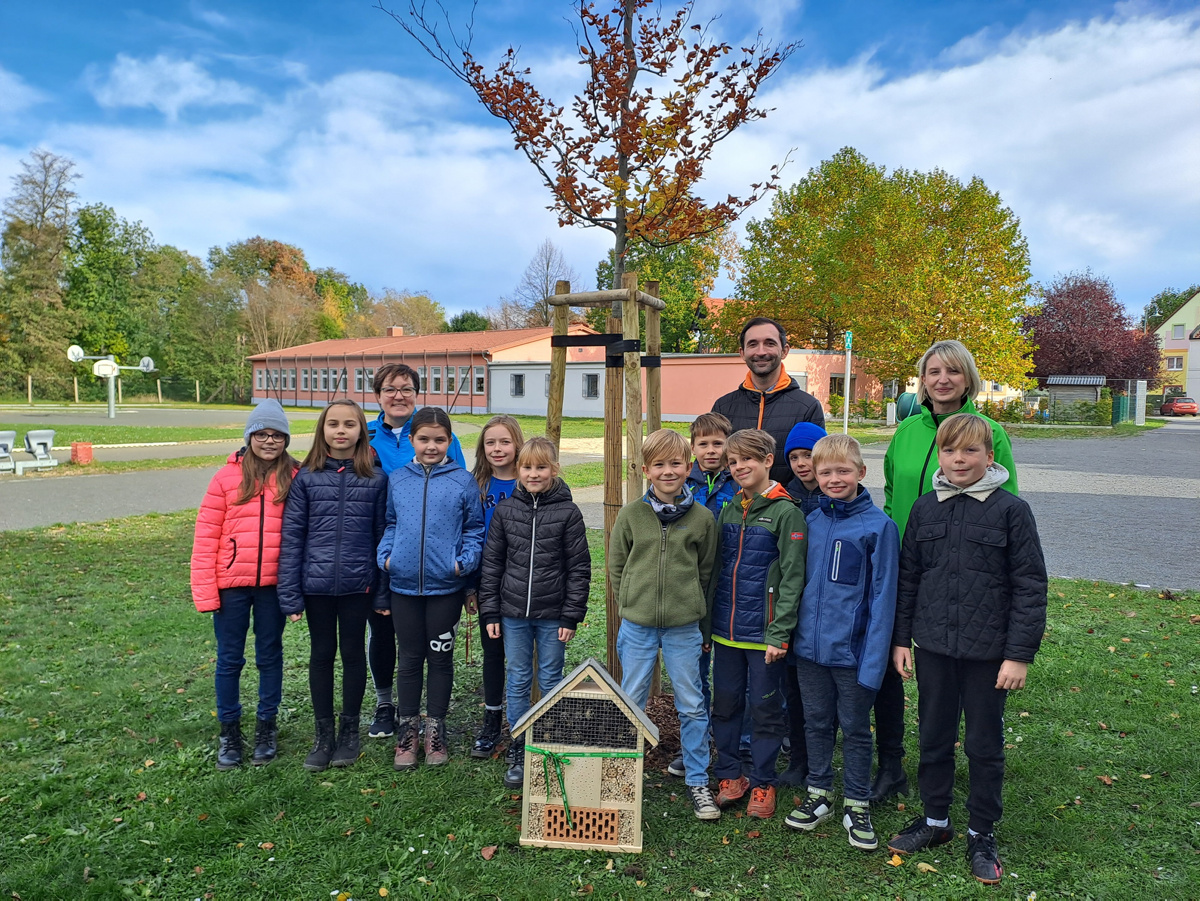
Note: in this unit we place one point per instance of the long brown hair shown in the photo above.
(483, 466)
(364, 466)
(257, 472)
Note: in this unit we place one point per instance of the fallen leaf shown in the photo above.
(367, 819)
(1147, 776)
(141, 796)
(1126, 640)
(149, 763)
(585, 890)
(449, 837)
(423, 880)
(279, 816)
(201, 817)
(1102, 725)
(267, 846)
(489, 852)
(725, 840)
(753, 833)
(900, 806)
(383, 892)
(896, 860)
(1107, 780)
(1075, 689)
(609, 865)
(348, 832)
(923, 867)
(197, 870)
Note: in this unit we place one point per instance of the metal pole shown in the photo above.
(158, 384)
(75, 379)
(846, 390)
(112, 391)
(197, 391)
(29, 389)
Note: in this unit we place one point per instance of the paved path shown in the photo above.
(1121, 510)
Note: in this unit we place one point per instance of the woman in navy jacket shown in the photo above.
(331, 528)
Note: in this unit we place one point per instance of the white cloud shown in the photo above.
(165, 83)
(15, 95)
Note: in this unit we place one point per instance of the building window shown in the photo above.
(424, 384)
(275, 378)
(464, 379)
(304, 379)
(358, 382)
(324, 379)
(258, 378)
(591, 385)
(480, 380)
(435, 379)
(1175, 364)
(516, 384)
(449, 379)
(369, 384)
(547, 384)
(291, 379)
(1177, 331)
(995, 386)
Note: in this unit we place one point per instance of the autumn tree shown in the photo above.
(279, 291)
(418, 314)
(341, 303)
(506, 313)
(626, 158)
(1162, 306)
(1081, 328)
(902, 259)
(467, 321)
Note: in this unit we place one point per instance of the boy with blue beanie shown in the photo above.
(798, 453)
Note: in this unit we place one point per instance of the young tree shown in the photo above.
(1082, 329)
(627, 158)
(506, 313)
(467, 321)
(545, 270)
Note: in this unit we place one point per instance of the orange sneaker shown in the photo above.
(762, 802)
(732, 790)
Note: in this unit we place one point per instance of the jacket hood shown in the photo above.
(445, 466)
(236, 456)
(834, 507)
(993, 477)
(558, 492)
(775, 493)
(783, 383)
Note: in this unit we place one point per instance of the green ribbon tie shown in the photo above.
(558, 760)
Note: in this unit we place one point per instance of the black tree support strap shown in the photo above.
(616, 347)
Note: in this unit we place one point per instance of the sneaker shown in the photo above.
(514, 776)
(703, 804)
(489, 735)
(762, 802)
(436, 750)
(816, 808)
(919, 835)
(732, 790)
(676, 767)
(385, 722)
(406, 742)
(985, 862)
(856, 819)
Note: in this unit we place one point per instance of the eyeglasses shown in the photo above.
(403, 392)
(266, 437)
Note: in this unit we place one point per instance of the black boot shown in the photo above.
(485, 742)
(229, 753)
(322, 749)
(890, 780)
(347, 745)
(514, 778)
(266, 741)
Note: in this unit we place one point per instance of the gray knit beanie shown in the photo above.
(268, 415)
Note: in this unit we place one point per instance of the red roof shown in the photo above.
(444, 342)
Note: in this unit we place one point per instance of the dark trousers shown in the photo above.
(230, 625)
(735, 669)
(426, 626)
(795, 715)
(493, 667)
(889, 714)
(948, 687)
(833, 698)
(381, 650)
(333, 623)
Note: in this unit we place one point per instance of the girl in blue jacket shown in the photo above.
(332, 525)
(430, 550)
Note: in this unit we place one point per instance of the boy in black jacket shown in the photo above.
(972, 597)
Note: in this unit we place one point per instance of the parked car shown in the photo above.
(1178, 406)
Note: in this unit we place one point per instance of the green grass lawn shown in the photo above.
(108, 790)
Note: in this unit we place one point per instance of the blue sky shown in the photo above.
(324, 125)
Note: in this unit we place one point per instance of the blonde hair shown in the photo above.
(709, 424)
(955, 354)
(963, 429)
(664, 444)
(753, 443)
(538, 451)
(837, 449)
(482, 470)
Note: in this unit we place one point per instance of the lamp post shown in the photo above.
(106, 367)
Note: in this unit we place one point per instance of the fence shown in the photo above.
(132, 388)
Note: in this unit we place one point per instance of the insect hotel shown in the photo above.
(584, 746)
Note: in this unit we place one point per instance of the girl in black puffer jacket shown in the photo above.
(332, 526)
(534, 581)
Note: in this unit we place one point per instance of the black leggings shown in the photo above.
(426, 627)
(889, 715)
(333, 622)
(493, 668)
(381, 650)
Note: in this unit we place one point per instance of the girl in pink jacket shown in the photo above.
(234, 562)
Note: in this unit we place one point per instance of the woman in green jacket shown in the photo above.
(947, 380)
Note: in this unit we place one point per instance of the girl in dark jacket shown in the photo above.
(534, 581)
(327, 571)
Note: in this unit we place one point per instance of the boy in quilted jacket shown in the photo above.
(972, 599)
(235, 561)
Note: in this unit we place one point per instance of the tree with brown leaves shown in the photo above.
(625, 158)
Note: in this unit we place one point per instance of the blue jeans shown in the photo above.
(736, 671)
(637, 649)
(519, 636)
(832, 699)
(231, 623)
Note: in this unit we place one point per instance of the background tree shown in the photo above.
(627, 159)
(903, 259)
(1164, 304)
(1082, 329)
(467, 321)
(537, 284)
(418, 314)
(506, 313)
(341, 302)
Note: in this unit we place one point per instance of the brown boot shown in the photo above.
(406, 742)
(436, 752)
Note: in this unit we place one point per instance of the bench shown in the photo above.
(38, 443)
(7, 440)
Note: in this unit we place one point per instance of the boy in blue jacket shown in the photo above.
(843, 637)
(709, 480)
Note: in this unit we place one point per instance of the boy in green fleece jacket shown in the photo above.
(661, 557)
